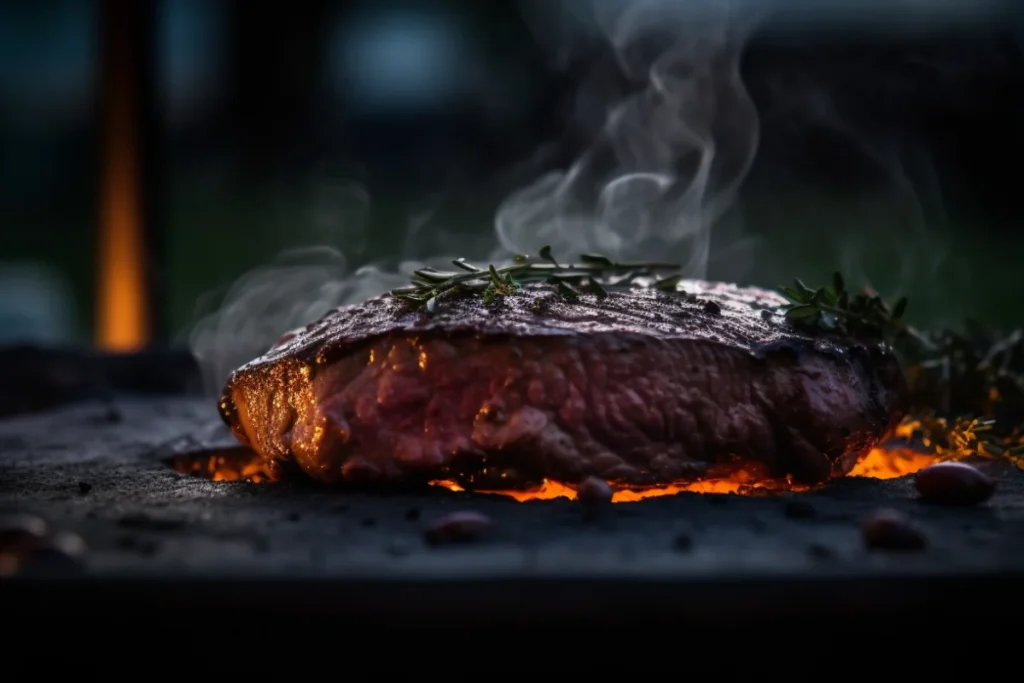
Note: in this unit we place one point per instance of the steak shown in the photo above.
(637, 387)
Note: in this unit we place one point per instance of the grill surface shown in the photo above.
(101, 472)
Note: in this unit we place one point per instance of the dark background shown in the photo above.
(890, 144)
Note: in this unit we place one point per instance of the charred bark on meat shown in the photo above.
(638, 387)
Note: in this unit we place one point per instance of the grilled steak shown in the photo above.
(636, 387)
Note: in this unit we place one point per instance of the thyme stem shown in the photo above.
(428, 283)
(949, 373)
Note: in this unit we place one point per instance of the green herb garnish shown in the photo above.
(834, 309)
(429, 286)
(950, 373)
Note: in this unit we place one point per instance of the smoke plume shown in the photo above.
(671, 154)
(299, 286)
(668, 159)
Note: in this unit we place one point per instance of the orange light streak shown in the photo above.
(879, 463)
(121, 320)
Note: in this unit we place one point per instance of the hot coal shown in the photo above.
(637, 387)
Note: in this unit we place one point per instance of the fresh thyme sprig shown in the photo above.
(973, 370)
(960, 437)
(833, 308)
(429, 286)
(958, 374)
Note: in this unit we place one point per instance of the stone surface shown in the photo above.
(106, 480)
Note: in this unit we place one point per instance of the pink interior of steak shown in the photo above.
(501, 411)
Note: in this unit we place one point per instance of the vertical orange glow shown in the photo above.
(121, 316)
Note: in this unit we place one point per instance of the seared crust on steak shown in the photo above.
(637, 387)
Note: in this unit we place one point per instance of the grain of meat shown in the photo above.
(636, 386)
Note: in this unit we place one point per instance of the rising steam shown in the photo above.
(671, 155)
(300, 286)
(664, 169)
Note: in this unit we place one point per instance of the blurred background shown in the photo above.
(153, 153)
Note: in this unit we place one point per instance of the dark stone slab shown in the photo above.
(35, 378)
(102, 474)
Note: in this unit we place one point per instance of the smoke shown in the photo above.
(907, 218)
(665, 167)
(885, 185)
(671, 155)
(299, 286)
(844, 129)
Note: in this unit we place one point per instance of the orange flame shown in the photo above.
(882, 463)
(121, 323)
(743, 482)
(241, 464)
(228, 464)
(879, 463)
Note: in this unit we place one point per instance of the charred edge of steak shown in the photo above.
(886, 394)
(228, 411)
(743, 317)
(765, 340)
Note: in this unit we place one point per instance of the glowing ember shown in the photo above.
(242, 464)
(883, 463)
(880, 463)
(889, 463)
(228, 464)
(742, 482)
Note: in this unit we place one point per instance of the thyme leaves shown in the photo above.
(833, 308)
(428, 286)
(966, 387)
